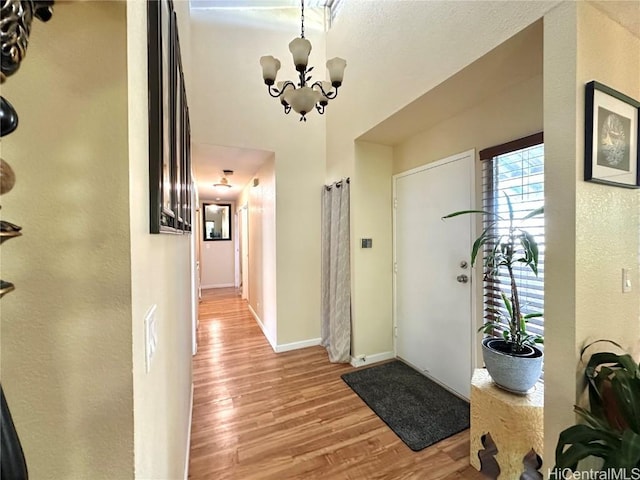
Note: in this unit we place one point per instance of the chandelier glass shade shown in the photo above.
(302, 97)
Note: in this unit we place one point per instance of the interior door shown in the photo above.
(432, 297)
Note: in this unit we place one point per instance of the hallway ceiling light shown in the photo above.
(301, 97)
(224, 183)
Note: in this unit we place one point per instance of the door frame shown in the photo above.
(471, 155)
(243, 234)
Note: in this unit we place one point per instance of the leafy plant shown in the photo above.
(612, 423)
(517, 246)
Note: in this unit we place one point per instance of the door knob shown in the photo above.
(462, 278)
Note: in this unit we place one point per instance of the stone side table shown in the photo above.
(515, 423)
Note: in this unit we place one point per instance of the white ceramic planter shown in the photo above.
(515, 373)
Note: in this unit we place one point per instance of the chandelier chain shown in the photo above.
(302, 20)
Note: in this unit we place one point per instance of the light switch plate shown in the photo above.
(626, 280)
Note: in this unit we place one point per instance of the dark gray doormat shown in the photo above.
(417, 409)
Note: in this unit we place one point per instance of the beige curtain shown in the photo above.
(336, 272)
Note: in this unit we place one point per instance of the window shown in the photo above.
(517, 170)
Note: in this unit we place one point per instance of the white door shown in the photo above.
(433, 314)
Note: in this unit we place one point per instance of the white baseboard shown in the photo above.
(296, 345)
(287, 346)
(263, 328)
(362, 360)
(186, 461)
(217, 285)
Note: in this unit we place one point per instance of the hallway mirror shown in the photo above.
(216, 220)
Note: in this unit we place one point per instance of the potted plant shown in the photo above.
(612, 423)
(513, 360)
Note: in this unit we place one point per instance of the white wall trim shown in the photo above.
(313, 342)
(363, 360)
(186, 461)
(219, 285)
(263, 328)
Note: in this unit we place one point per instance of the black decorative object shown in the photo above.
(16, 17)
(8, 117)
(12, 463)
(8, 230)
(612, 130)
(7, 177)
(169, 130)
(417, 409)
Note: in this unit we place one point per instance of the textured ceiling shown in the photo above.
(626, 13)
(512, 62)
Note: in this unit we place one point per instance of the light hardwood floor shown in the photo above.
(258, 415)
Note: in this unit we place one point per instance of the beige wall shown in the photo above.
(512, 114)
(66, 330)
(234, 109)
(160, 276)
(261, 209)
(371, 317)
(593, 230)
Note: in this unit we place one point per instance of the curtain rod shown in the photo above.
(337, 184)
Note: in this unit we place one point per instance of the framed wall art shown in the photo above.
(169, 152)
(611, 137)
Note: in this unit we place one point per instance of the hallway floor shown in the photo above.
(258, 415)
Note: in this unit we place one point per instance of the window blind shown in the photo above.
(517, 170)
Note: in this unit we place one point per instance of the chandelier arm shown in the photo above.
(331, 94)
(287, 108)
(275, 93)
(320, 108)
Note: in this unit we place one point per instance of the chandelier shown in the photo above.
(301, 97)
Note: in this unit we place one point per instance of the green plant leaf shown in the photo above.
(598, 341)
(630, 450)
(533, 315)
(626, 391)
(597, 422)
(510, 207)
(466, 212)
(530, 247)
(533, 213)
(612, 426)
(483, 239)
(507, 304)
(583, 441)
